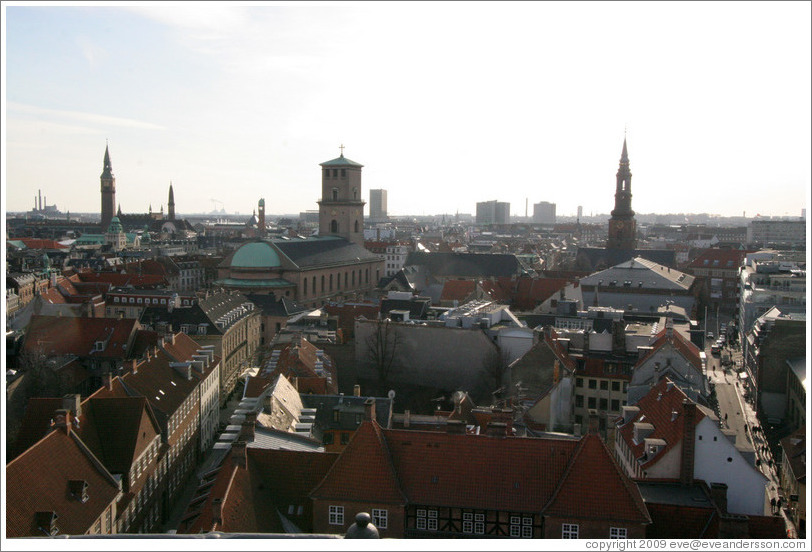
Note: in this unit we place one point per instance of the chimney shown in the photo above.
(369, 409)
(593, 422)
(356, 390)
(576, 430)
(238, 449)
(407, 418)
(62, 420)
(217, 511)
(73, 403)
(247, 429)
(686, 472)
(718, 492)
(496, 429)
(107, 380)
(456, 427)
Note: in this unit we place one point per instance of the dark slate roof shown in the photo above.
(349, 406)
(340, 162)
(470, 265)
(611, 257)
(323, 251)
(269, 305)
(418, 307)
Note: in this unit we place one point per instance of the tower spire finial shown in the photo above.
(341, 147)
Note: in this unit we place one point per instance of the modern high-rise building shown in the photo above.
(492, 212)
(341, 209)
(377, 206)
(544, 213)
(580, 212)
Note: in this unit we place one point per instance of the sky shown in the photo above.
(445, 104)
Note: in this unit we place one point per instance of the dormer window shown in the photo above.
(99, 346)
(78, 489)
(46, 522)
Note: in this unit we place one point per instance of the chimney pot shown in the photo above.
(369, 409)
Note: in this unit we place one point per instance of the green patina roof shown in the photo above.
(341, 162)
(255, 255)
(90, 238)
(274, 282)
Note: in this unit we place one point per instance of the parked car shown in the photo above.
(710, 335)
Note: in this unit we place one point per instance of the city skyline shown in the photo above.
(445, 105)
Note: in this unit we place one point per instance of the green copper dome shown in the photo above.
(256, 255)
(115, 226)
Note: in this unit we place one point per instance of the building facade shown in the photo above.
(377, 206)
(544, 213)
(493, 212)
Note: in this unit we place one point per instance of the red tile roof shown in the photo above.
(298, 360)
(457, 290)
(670, 521)
(577, 496)
(38, 481)
(363, 472)
(734, 256)
(117, 279)
(598, 368)
(530, 292)
(37, 243)
(688, 350)
(657, 407)
(60, 335)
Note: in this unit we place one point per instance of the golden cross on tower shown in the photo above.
(341, 147)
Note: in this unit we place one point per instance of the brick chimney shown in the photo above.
(456, 427)
(369, 409)
(686, 470)
(238, 450)
(496, 429)
(73, 403)
(62, 420)
(217, 511)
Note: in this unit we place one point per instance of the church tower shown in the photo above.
(108, 191)
(622, 225)
(261, 218)
(171, 203)
(341, 209)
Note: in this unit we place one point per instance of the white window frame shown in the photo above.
(432, 520)
(569, 530)
(479, 524)
(618, 533)
(515, 526)
(527, 527)
(336, 515)
(420, 519)
(380, 518)
(467, 522)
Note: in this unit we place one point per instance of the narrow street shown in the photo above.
(738, 414)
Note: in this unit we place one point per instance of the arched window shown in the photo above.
(331, 282)
(335, 194)
(314, 285)
(353, 278)
(356, 226)
(366, 277)
(345, 279)
(334, 227)
(355, 193)
(322, 283)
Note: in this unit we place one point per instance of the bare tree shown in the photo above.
(382, 345)
(496, 366)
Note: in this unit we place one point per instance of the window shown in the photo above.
(593, 384)
(337, 515)
(604, 385)
(615, 405)
(615, 386)
(334, 226)
(343, 173)
(432, 520)
(617, 533)
(515, 526)
(467, 522)
(115, 299)
(420, 520)
(603, 404)
(380, 518)
(579, 382)
(345, 438)
(591, 402)
(527, 527)
(579, 401)
(569, 530)
(479, 524)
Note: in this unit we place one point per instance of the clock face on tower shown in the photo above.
(333, 212)
(619, 225)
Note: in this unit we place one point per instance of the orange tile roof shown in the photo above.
(38, 481)
(688, 350)
(363, 472)
(37, 243)
(61, 335)
(577, 496)
(657, 407)
(457, 290)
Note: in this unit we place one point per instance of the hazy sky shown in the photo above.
(444, 104)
